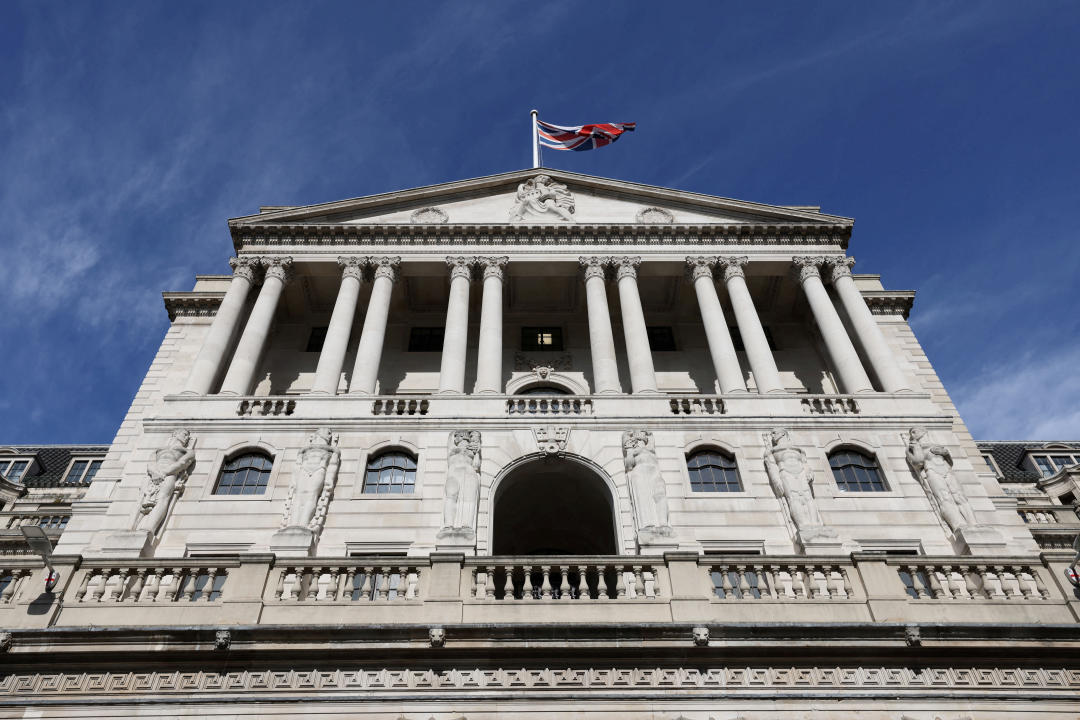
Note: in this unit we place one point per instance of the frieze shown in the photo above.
(29, 686)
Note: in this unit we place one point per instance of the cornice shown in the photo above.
(335, 234)
(191, 304)
(890, 302)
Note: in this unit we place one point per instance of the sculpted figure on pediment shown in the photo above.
(647, 489)
(462, 484)
(166, 476)
(792, 480)
(313, 482)
(933, 466)
(542, 196)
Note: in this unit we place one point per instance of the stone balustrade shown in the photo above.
(697, 405)
(1035, 516)
(964, 581)
(448, 588)
(266, 407)
(347, 582)
(549, 405)
(46, 521)
(562, 578)
(830, 405)
(781, 581)
(400, 406)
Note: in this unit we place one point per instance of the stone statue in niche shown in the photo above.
(313, 482)
(462, 485)
(166, 475)
(542, 196)
(792, 480)
(647, 488)
(933, 466)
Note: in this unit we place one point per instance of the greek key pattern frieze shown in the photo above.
(688, 679)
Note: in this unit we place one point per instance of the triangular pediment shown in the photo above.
(524, 197)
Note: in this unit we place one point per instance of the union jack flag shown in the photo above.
(580, 137)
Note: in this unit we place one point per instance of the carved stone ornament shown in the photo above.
(543, 367)
(5, 641)
(733, 266)
(352, 266)
(933, 467)
(248, 268)
(280, 268)
(460, 267)
(551, 439)
(594, 267)
(655, 216)
(386, 267)
(166, 475)
(839, 267)
(313, 479)
(792, 481)
(222, 640)
(701, 636)
(428, 216)
(626, 267)
(647, 489)
(912, 636)
(805, 267)
(494, 266)
(436, 636)
(462, 485)
(542, 198)
(699, 267)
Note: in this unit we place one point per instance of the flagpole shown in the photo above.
(535, 142)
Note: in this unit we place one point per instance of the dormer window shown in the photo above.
(82, 470)
(14, 470)
(1053, 462)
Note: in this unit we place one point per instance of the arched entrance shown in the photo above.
(553, 506)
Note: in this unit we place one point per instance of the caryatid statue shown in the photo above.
(792, 480)
(933, 466)
(167, 473)
(462, 484)
(647, 489)
(313, 482)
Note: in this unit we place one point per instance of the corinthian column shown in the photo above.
(639, 355)
(212, 353)
(456, 334)
(332, 357)
(725, 361)
(853, 377)
(245, 360)
(489, 359)
(756, 345)
(369, 351)
(866, 328)
(601, 340)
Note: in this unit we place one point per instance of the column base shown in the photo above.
(979, 540)
(293, 541)
(461, 540)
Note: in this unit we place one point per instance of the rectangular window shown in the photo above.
(990, 462)
(1045, 466)
(82, 471)
(426, 339)
(15, 469)
(1063, 461)
(541, 338)
(661, 339)
(316, 339)
(736, 338)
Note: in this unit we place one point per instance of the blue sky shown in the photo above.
(130, 131)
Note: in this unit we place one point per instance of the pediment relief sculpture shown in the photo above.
(429, 216)
(542, 198)
(655, 216)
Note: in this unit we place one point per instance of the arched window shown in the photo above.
(391, 472)
(713, 471)
(855, 472)
(543, 390)
(245, 474)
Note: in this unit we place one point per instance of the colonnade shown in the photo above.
(702, 272)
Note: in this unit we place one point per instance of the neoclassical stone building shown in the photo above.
(543, 445)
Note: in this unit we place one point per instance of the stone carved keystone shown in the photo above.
(551, 439)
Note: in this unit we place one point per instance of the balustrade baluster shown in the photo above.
(620, 581)
(189, 584)
(279, 589)
(135, 592)
(845, 580)
(159, 579)
(479, 581)
(384, 583)
(81, 592)
(117, 594)
(639, 583)
(583, 583)
(527, 587)
(99, 587)
(564, 582)
(744, 583)
(208, 588)
(602, 592)
(9, 589)
(413, 587)
(347, 587)
(366, 588)
(1044, 593)
(403, 576)
(508, 583)
(916, 584)
(935, 584)
(489, 584)
(545, 587)
(799, 583)
(769, 573)
(998, 588)
(333, 588)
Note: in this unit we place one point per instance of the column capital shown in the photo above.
(626, 266)
(245, 267)
(460, 267)
(387, 267)
(806, 266)
(279, 267)
(494, 266)
(839, 267)
(594, 266)
(733, 266)
(700, 267)
(353, 266)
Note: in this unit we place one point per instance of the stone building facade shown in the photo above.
(544, 445)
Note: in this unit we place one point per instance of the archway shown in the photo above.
(553, 506)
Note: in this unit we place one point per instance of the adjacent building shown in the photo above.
(540, 445)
